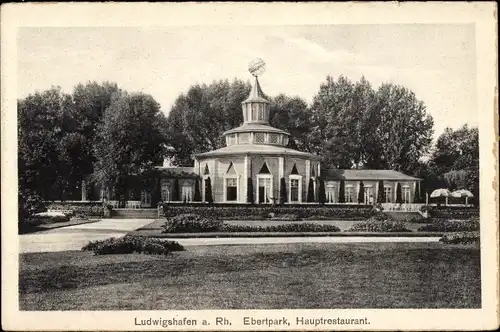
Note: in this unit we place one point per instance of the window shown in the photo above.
(165, 191)
(369, 197)
(231, 189)
(232, 139)
(294, 190)
(388, 194)
(349, 194)
(244, 138)
(261, 112)
(259, 138)
(264, 189)
(406, 194)
(273, 138)
(330, 192)
(186, 193)
(285, 140)
(254, 112)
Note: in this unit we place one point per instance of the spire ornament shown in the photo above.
(257, 67)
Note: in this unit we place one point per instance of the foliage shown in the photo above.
(80, 208)
(132, 244)
(310, 191)
(322, 193)
(250, 198)
(342, 191)
(460, 238)
(29, 203)
(373, 225)
(175, 191)
(353, 125)
(399, 194)
(448, 212)
(283, 193)
(130, 140)
(286, 217)
(381, 192)
(260, 212)
(191, 223)
(208, 191)
(197, 194)
(444, 225)
(292, 227)
(361, 193)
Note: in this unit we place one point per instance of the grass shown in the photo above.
(48, 226)
(292, 276)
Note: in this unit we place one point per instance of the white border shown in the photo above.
(483, 14)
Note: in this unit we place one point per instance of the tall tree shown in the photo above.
(455, 159)
(197, 194)
(130, 140)
(399, 195)
(381, 193)
(322, 193)
(310, 191)
(361, 193)
(250, 198)
(342, 191)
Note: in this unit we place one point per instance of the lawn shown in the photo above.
(314, 275)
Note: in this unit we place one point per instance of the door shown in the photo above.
(369, 195)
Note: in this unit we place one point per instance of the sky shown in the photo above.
(437, 62)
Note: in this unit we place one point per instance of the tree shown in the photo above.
(455, 159)
(292, 114)
(283, 193)
(130, 140)
(322, 194)
(401, 130)
(342, 191)
(361, 193)
(354, 126)
(175, 191)
(197, 194)
(250, 198)
(208, 191)
(310, 191)
(199, 117)
(399, 195)
(381, 193)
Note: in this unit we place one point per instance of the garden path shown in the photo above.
(75, 237)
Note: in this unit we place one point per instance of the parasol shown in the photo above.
(441, 193)
(462, 193)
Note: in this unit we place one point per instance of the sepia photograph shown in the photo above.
(242, 167)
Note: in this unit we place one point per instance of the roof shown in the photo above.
(255, 127)
(173, 171)
(262, 149)
(367, 174)
(256, 93)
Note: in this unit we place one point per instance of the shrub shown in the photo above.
(374, 225)
(286, 217)
(416, 220)
(132, 244)
(295, 227)
(95, 209)
(191, 223)
(444, 225)
(460, 238)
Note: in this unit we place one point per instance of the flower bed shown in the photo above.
(94, 209)
(453, 212)
(260, 212)
(132, 244)
(295, 227)
(191, 223)
(444, 225)
(374, 225)
(460, 238)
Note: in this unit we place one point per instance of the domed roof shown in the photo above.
(260, 149)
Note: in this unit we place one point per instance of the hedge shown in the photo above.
(259, 212)
(445, 225)
(460, 238)
(450, 212)
(374, 225)
(94, 209)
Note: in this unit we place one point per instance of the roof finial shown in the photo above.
(257, 67)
